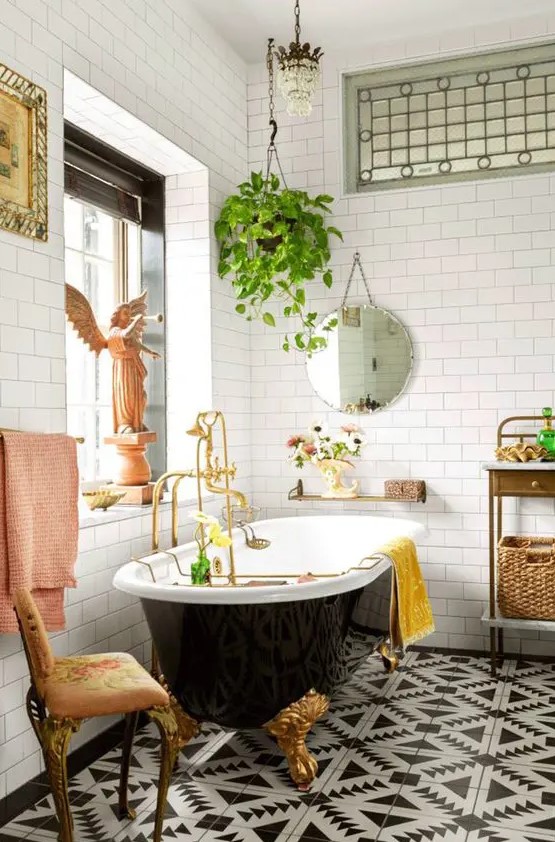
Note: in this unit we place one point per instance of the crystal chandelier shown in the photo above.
(298, 72)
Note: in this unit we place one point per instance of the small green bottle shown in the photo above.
(546, 436)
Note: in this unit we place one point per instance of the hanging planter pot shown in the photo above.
(273, 242)
(269, 244)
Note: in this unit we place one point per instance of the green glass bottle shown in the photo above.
(546, 436)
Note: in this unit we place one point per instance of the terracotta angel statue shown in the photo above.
(124, 342)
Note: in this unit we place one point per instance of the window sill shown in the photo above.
(114, 514)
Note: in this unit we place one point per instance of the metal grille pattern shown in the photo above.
(452, 125)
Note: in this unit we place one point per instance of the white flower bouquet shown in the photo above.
(318, 445)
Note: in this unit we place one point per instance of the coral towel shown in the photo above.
(39, 523)
(410, 613)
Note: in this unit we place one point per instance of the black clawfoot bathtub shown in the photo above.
(241, 656)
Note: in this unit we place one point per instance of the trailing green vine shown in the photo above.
(272, 242)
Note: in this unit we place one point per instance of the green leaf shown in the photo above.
(221, 229)
(330, 325)
(257, 181)
(299, 341)
(333, 230)
(268, 319)
(240, 308)
(327, 278)
(286, 346)
(301, 297)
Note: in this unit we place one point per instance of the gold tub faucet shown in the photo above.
(229, 492)
(210, 472)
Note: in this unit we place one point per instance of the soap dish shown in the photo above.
(102, 498)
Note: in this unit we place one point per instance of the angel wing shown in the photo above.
(137, 307)
(81, 317)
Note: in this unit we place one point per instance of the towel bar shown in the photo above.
(78, 439)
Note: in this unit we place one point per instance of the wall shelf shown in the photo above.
(297, 494)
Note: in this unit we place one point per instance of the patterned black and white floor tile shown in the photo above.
(524, 741)
(93, 821)
(528, 700)
(438, 752)
(498, 834)
(446, 770)
(353, 784)
(404, 825)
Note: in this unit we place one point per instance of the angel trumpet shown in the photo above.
(156, 317)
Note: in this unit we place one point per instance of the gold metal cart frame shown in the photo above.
(511, 482)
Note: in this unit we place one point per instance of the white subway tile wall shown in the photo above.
(164, 65)
(443, 258)
(468, 268)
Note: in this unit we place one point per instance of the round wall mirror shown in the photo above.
(366, 363)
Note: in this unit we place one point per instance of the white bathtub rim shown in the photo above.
(134, 578)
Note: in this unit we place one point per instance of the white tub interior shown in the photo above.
(299, 545)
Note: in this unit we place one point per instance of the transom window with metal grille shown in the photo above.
(474, 117)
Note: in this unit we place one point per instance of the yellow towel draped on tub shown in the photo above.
(410, 613)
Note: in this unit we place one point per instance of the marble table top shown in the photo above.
(518, 466)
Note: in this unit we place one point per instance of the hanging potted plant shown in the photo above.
(274, 241)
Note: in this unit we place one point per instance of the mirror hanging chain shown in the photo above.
(357, 263)
(272, 152)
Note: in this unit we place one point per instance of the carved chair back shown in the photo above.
(38, 652)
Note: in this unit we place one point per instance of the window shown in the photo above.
(114, 248)
(102, 259)
(474, 117)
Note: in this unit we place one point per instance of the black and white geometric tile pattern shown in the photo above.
(438, 752)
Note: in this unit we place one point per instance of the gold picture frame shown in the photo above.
(23, 156)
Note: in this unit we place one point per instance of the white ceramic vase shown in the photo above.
(332, 472)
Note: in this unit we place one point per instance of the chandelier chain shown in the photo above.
(298, 21)
(272, 152)
(270, 66)
(356, 263)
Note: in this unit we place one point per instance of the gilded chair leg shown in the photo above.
(187, 727)
(124, 810)
(169, 733)
(55, 738)
(290, 727)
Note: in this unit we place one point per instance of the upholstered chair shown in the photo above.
(65, 691)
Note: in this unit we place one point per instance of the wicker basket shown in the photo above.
(411, 490)
(526, 577)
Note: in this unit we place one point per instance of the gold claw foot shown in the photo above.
(389, 658)
(290, 728)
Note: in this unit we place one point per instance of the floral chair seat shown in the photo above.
(98, 685)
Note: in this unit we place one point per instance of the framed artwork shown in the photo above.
(23, 156)
(351, 316)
